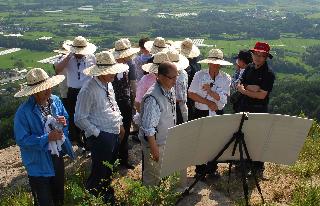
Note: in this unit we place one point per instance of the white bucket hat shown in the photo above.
(106, 64)
(158, 45)
(187, 48)
(179, 60)
(80, 45)
(215, 56)
(37, 81)
(158, 58)
(64, 48)
(122, 49)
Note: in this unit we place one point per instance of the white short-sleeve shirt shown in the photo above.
(74, 70)
(221, 85)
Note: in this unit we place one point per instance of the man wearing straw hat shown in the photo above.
(192, 52)
(40, 130)
(181, 86)
(63, 87)
(80, 57)
(210, 90)
(98, 115)
(141, 59)
(124, 86)
(158, 45)
(155, 117)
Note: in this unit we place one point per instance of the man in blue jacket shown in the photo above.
(40, 129)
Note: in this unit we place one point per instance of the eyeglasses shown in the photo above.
(175, 77)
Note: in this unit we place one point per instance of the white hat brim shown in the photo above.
(194, 52)
(89, 49)
(104, 70)
(216, 61)
(183, 62)
(150, 68)
(152, 49)
(124, 53)
(47, 84)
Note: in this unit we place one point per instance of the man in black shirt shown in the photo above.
(257, 81)
(256, 84)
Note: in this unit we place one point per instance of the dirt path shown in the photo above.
(12, 174)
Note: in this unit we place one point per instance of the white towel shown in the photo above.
(54, 146)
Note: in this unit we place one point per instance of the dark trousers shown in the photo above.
(210, 166)
(126, 112)
(191, 108)
(74, 131)
(49, 191)
(103, 148)
(179, 115)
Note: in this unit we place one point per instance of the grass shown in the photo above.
(314, 16)
(127, 191)
(29, 59)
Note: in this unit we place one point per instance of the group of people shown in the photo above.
(106, 96)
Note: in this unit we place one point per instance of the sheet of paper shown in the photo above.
(269, 138)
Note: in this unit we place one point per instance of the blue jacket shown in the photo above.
(32, 139)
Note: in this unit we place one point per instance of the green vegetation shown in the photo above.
(127, 192)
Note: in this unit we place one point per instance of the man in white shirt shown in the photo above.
(80, 57)
(210, 90)
(98, 115)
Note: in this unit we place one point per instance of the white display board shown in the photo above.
(269, 138)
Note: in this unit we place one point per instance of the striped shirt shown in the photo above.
(97, 109)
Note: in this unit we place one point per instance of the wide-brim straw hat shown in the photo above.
(122, 48)
(106, 64)
(65, 47)
(80, 45)
(187, 48)
(215, 56)
(158, 45)
(37, 81)
(158, 58)
(178, 59)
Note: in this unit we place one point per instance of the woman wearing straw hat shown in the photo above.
(210, 90)
(80, 57)
(124, 88)
(40, 130)
(98, 115)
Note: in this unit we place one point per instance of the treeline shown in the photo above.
(293, 97)
(312, 56)
(38, 45)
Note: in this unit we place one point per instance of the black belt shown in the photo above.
(74, 89)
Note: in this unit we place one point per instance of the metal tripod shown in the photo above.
(239, 142)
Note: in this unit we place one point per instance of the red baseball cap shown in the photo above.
(262, 47)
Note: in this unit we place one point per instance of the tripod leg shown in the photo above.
(253, 171)
(187, 191)
(243, 174)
